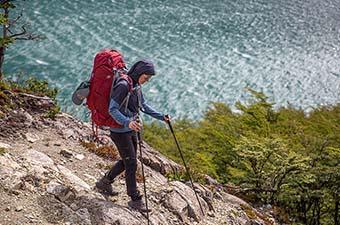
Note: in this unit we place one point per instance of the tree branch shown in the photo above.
(13, 22)
(31, 37)
(35, 97)
(9, 31)
(245, 190)
(19, 34)
(24, 35)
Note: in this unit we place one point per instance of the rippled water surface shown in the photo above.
(203, 50)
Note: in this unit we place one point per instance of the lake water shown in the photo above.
(203, 50)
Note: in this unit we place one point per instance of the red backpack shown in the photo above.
(107, 68)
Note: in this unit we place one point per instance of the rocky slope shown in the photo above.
(48, 172)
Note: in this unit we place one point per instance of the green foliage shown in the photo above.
(284, 157)
(3, 19)
(9, 31)
(5, 101)
(40, 87)
(177, 176)
(5, 42)
(31, 86)
(267, 163)
(7, 5)
(53, 112)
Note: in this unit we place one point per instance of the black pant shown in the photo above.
(127, 147)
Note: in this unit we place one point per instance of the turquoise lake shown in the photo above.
(204, 51)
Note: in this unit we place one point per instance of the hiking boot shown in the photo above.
(104, 186)
(138, 205)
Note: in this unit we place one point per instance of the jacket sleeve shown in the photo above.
(119, 93)
(150, 111)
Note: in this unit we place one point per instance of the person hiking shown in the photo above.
(124, 108)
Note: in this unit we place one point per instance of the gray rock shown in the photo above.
(4, 145)
(105, 212)
(66, 153)
(11, 173)
(90, 178)
(159, 219)
(39, 163)
(28, 119)
(156, 177)
(59, 125)
(84, 215)
(68, 199)
(31, 137)
(193, 207)
(19, 208)
(210, 181)
(204, 193)
(77, 183)
(158, 162)
(61, 192)
(177, 205)
(211, 214)
(69, 133)
(228, 198)
(79, 156)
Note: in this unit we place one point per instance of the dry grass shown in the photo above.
(2, 151)
(139, 175)
(110, 152)
(281, 215)
(91, 146)
(254, 215)
(105, 151)
(103, 166)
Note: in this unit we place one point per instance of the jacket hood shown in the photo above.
(141, 67)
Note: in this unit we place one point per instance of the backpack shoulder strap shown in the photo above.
(115, 82)
(129, 81)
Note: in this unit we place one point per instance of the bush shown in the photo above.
(283, 157)
(32, 86)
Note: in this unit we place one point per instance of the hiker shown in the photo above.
(125, 137)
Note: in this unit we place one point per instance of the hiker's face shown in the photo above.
(144, 78)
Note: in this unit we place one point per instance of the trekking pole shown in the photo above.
(185, 165)
(140, 143)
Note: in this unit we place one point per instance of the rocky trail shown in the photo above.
(48, 168)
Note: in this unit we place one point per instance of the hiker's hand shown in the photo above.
(167, 118)
(134, 125)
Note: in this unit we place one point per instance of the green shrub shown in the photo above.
(284, 157)
(40, 88)
(31, 86)
(53, 112)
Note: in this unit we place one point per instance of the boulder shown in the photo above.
(38, 162)
(76, 182)
(11, 173)
(158, 162)
(60, 191)
(108, 213)
(183, 202)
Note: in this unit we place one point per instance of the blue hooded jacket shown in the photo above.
(122, 113)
